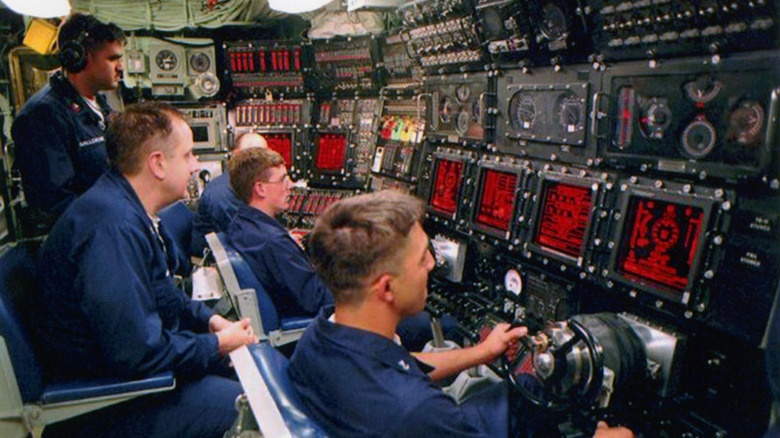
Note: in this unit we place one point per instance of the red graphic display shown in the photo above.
(660, 242)
(496, 203)
(280, 142)
(331, 151)
(563, 219)
(446, 182)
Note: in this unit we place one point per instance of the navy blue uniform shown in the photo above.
(109, 308)
(60, 149)
(217, 207)
(278, 262)
(360, 384)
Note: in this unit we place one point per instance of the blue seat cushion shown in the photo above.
(80, 390)
(273, 367)
(295, 322)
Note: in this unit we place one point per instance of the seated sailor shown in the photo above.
(218, 204)
(109, 306)
(357, 381)
(259, 177)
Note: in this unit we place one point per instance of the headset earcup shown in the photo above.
(73, 57)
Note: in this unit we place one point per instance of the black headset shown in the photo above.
(73, 55)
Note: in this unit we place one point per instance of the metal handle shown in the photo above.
(595, 114)
(482, 109)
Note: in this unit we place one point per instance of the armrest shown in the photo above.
(294, 323)
(87, 389)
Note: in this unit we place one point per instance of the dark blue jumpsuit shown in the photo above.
(217, 207)
(360, 384)
(109, 308)
(278, 262)
(60, 149)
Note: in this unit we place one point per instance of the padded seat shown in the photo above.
(263, 362)
(250, 297)
(27, 402)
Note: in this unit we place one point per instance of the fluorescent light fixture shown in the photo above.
(358, 4)
(39, 8)
(296, 6)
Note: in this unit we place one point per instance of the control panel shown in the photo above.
(182, 67)
(257, 67)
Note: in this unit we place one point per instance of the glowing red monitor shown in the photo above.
(659, 242)
(496, 203)
(563, 218)
(446, 184)
(280, 142)
(331, 152)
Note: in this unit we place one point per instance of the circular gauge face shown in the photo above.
(445, 109)
(200, 62)
(702, 89)
(654, 118)
(462, 93)
(745, 123)
(571, 112)
(463, 122)
(553, 22)
(698, 138)
(513, 282)
(522, 112)
(166, 60)
(209, 84)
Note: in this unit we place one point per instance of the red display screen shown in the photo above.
(280, 142)
(496, 203)
(564, 216)
(446, 182)
(659, 242)
(331, 151)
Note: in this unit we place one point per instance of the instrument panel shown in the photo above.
(689, 117)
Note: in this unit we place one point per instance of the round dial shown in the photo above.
(698, 138)
(745, 123)
(522, 112)
(513, 282)
(702, 89)
(553, 22)
(166, 60)
(200, 62)
(571, 112)
(654, 118)
(445, 109)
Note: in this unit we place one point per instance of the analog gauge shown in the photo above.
(571, 112)
(698, 138)
(200, 62)
(463, 122)
(513, 282)
(654, 118)
(522, 111)
(553, 22)
(625, 117)
(166, 60)
(462, 93)
(702, 89)
(445, 110)
(745, 123)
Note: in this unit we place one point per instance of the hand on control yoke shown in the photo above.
(502, 337)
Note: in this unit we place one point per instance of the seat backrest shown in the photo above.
(17, 284)
(177, 220)
(273, 368)
(248, 280)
